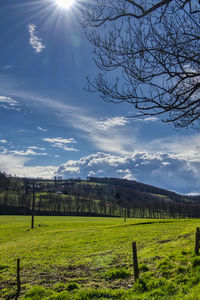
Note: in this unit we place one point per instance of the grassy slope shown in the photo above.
(96, 253)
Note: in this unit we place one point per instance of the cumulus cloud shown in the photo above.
(158, 169)
(61, 143)
(34, 40)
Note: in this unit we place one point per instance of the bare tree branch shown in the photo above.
(148, 54)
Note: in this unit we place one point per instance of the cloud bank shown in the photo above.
(159, 169)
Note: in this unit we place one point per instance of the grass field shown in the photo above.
(91, 258)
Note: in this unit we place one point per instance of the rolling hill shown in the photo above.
(94, 196)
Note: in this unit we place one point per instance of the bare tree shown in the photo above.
(148, 55)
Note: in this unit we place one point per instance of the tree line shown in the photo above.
(94, 197)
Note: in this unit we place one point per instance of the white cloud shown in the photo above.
(148, 119)
(16, 165)
(193, 194)
(111, 122)
(151, 119)
(41, 129)
(34, 40)
(65, 147)
(36, 148)
(8, 103)
(59, 140)
(10, 164)
(61, 143)
(27, 152)
(3, 150)
(38, 171)
(3, 141)
(165, 163)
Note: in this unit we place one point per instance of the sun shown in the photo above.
(64, 3)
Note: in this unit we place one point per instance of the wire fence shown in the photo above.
(31, 269)
(35, 268)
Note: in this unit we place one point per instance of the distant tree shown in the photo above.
(4, 181)
(102, 206)
(77, 204)
(148, 55)
(89, 205)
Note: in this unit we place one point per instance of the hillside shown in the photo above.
(94, 196)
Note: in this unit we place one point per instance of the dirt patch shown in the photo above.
(164, 241)
(186, 235)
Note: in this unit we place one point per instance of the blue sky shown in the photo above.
(51, 126)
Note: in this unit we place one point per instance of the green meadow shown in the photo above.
(91, 258)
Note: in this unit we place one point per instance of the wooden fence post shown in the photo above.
(197, 241)
(18, 278)
(135, 261)
(33, 208)
(125, 215)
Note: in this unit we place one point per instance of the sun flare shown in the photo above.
(64, 3)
